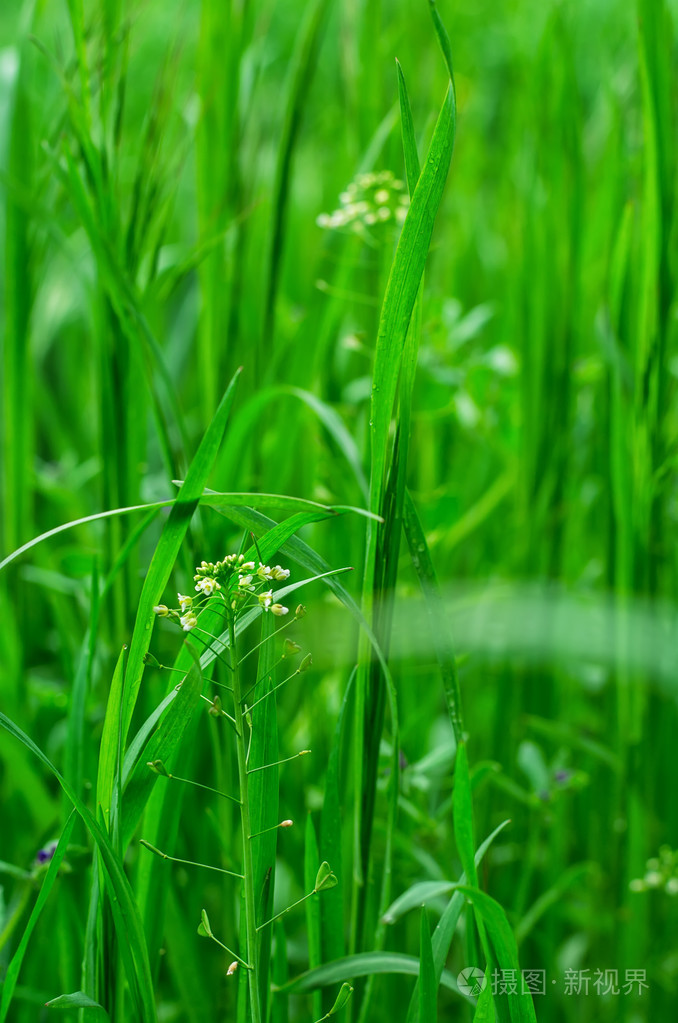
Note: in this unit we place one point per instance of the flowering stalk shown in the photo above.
(245, 819)
(234, 586)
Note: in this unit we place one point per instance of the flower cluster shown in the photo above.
(369, 201)
(238, 582)
(661, 872)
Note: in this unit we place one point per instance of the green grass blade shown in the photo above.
(364, 964)
(79, 1000)
(485, 1007)
(109, 750)
(331, 905)
(514, 1007)
(164, 744)
(428, 985)
(14, 966)
(412, 165)
(125, 913)
(301, 70)
(403, 286)
(447, 925)
(167, 550)
(463, 815)
(437, 613)
(312, 906)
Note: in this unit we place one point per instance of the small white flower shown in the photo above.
(279, 610)
(266, 599)
(247, 566)
(185, 603)
(280, 573)
(264, 572)
(382, 195)
(161, 610)
(188, 622)
(245, 582)
(208, 586)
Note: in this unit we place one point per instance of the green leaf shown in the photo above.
(123, 906)
(447, 925)
(78, 1000)
(485, 1007)
(204, 928)
(342, 999)
(520, 1006)
(463, 815)
(167, 550)
(437, 613)
(109, 749)
(412, 165)
(428, 984)
(163, 745)
(12, 974)
(324, 878)
(364, 964)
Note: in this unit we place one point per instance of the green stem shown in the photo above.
(245, 819)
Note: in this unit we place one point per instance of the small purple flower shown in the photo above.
(46, 853)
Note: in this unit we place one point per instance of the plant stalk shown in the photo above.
(245, 820)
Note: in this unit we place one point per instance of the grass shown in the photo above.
(475, 409)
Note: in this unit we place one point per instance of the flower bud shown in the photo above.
(232, 968)
(161, 610)
(279, 610)
(300, 612)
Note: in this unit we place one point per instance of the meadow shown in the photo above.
(338, 671)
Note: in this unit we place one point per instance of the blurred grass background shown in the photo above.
(162, 172)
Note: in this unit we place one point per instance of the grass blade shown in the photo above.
(125, 913)
(14, 966)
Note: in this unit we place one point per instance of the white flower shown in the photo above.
(188, 621)
(162, 610)
(247, 566)
(185, 603)
(264, 572)
(266, 599)
(208, 586)
(280, 573)
(279, 610)
(245, 582)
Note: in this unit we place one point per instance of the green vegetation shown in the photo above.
(316, 287)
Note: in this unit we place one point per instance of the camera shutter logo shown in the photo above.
(472, 981)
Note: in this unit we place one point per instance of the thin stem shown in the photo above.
(231, 953)
(245, 818)
(266, 640)
(189, 863)
(273, 690)
(287, 910)
(212, 649)
(208, 788)
(264, 767)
